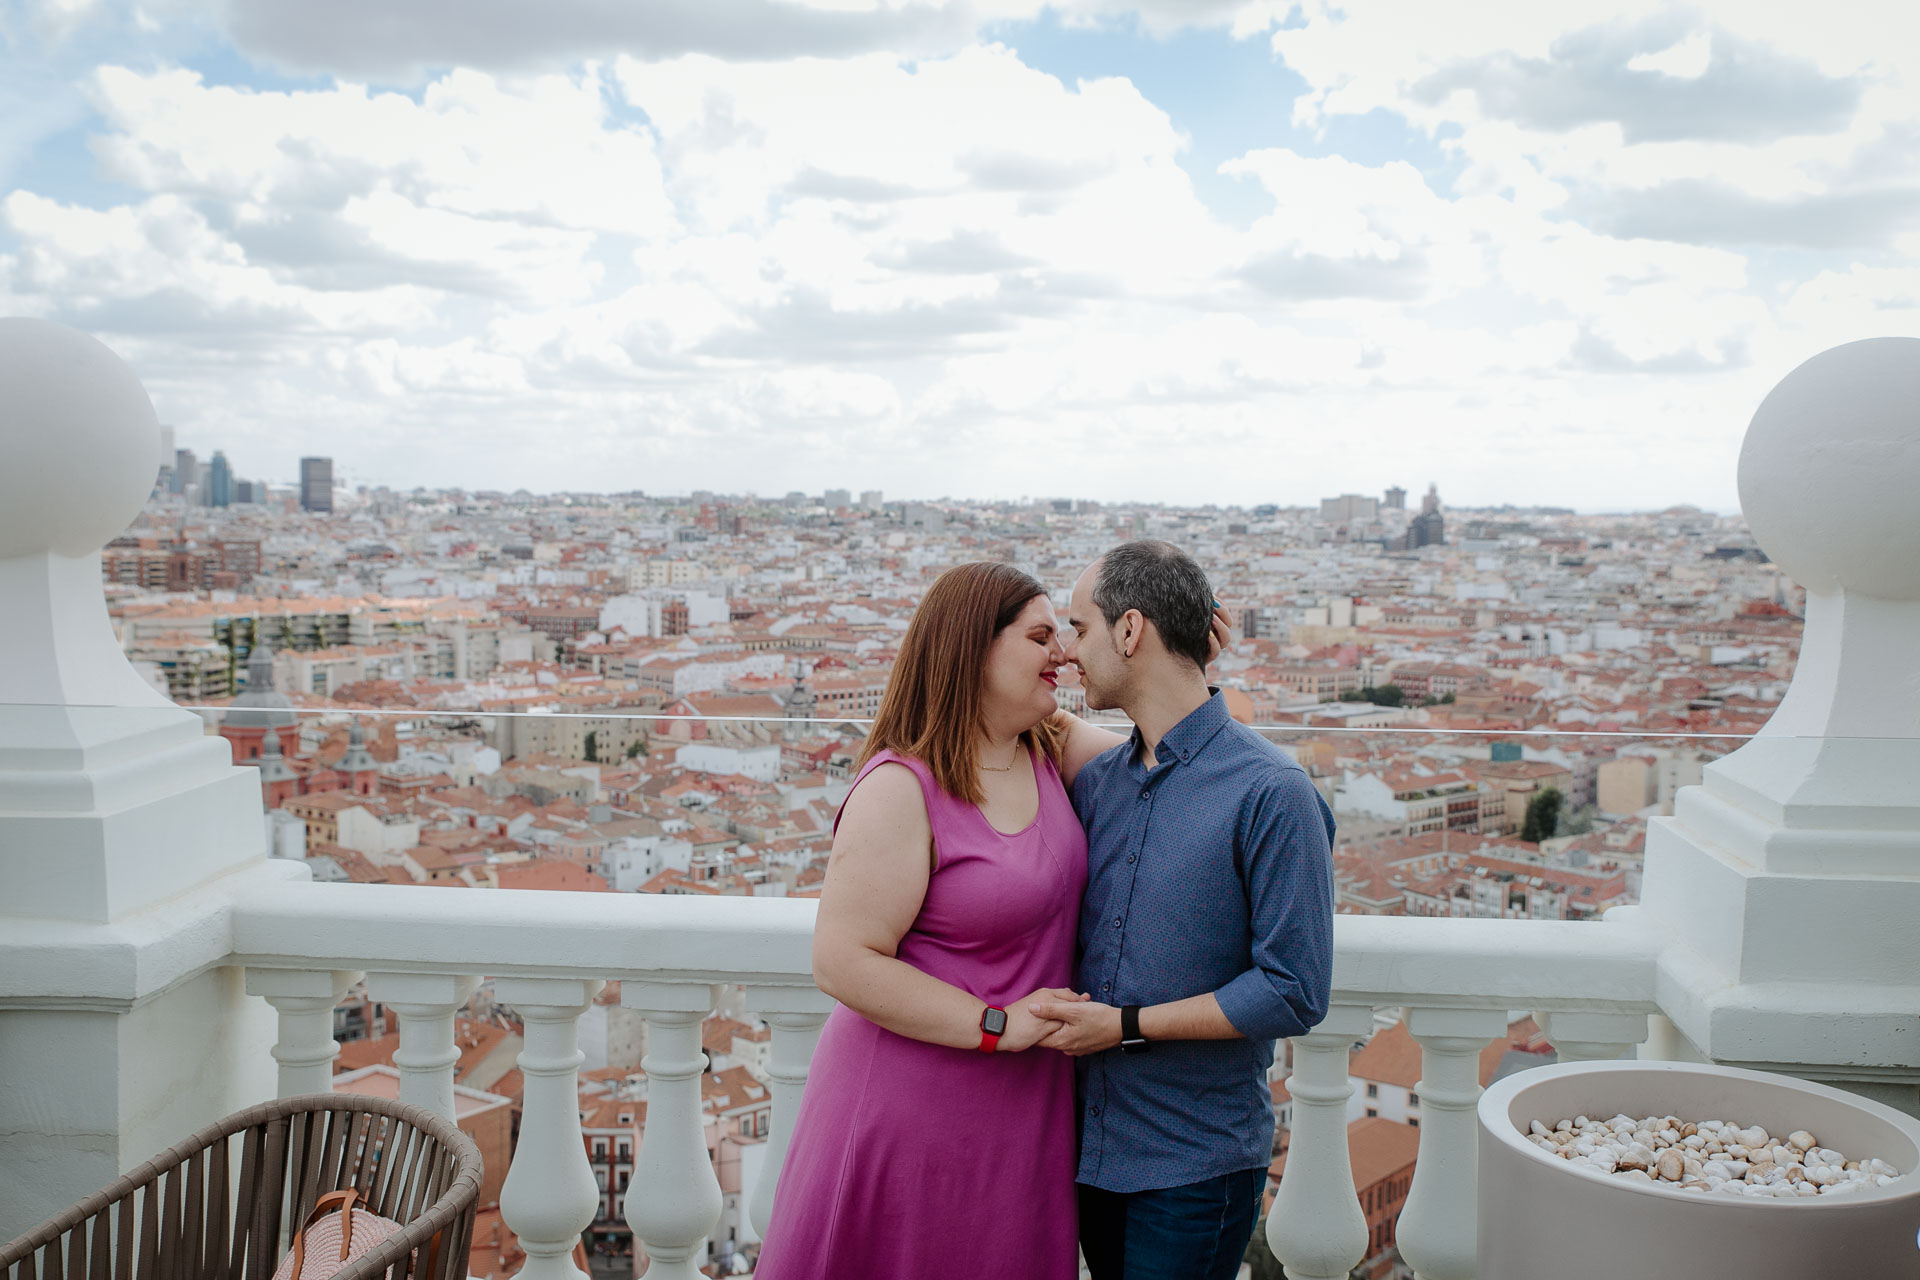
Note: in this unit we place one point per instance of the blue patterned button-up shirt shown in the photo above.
(1211, 872)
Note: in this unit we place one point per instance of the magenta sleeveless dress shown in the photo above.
(914, 1161)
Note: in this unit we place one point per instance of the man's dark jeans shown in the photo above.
(1196, 1232)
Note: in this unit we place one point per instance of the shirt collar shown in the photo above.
(1184, 741)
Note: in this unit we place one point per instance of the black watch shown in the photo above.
(1131, 1041)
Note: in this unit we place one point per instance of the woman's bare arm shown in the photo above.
(876, 882)
(1085, 740)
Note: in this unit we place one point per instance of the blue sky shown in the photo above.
(1231, 252)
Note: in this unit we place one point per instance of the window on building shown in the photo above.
(599, 1148)
(624, 1150)
(1413, 1099)
(1373, 1091)
(1413, 1122)
(1373, 1113)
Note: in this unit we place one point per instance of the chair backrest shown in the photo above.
(220, 1205)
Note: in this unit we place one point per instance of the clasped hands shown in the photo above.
(1063, 1019)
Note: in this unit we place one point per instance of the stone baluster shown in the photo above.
(796, 1015)
(1437, 1232)
(550, 1195)
(305, 1000)
(1316, 1228)
(425, 1003)
(673, 1202)
(1593, 1036)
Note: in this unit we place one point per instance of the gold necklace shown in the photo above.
(1005, 768)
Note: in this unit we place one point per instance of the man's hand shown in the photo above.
(1024, 1028)
(1084, 1026)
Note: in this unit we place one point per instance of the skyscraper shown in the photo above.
(1429, 528)
(185, 468)
(219, 481)
(316, 484)
(1396, 499)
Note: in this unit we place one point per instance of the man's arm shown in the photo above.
(1289, 852)
(1289, 873)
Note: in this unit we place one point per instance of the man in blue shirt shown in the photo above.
(1206, 932)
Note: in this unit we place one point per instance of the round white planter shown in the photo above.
(1540, 1217)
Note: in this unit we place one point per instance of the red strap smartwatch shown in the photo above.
(993, 1025)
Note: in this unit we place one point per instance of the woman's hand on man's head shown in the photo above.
(1220, 638)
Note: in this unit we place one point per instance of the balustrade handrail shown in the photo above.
(1380, 960)
(526, 933)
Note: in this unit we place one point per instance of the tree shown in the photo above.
(593, 748)
(1384, 695)
(638, 747)
(1543, 816)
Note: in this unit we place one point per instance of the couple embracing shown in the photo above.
(1061, 956)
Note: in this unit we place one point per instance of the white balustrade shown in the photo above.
(674, 1201)
(1593, 1036)
(550, 1195)
(1316, 1228)
(305, 1000)
(425, 1003)
(795, 1015)
(1436, 1232)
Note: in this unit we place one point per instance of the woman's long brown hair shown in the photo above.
(932, 708)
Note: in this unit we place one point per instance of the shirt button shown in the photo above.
(1106, 986)
(1129, 857)
(1116, 922)
(1096, 1111)
(1143, 795)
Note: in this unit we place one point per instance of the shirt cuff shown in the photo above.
(1256, 1010)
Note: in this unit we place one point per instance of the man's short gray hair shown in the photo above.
(1166, 586)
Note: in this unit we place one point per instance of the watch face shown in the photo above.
(994, 1022)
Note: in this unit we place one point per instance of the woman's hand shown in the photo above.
(1024, 1030)
(1220, 637)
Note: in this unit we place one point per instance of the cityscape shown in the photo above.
(516, 440)
(636, 693)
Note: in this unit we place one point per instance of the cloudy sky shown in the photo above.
(1185, 250)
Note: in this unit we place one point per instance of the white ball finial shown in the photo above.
(80, 438)
(1830, 471)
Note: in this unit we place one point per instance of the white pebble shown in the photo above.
(1709, 1156)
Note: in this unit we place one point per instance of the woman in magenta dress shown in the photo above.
(934, 1139)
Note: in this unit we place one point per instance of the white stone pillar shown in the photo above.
(124, 828)
(1316, 1228)
(426, 1004)
(1592, 1036)
(795, 1015)
(673, 1201)
(1788, 882)
(1436, 1233)
(305, 1000)
(550, 1195)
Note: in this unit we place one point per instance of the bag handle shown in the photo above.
(340, 1202)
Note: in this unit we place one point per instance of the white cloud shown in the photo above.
(1686, 59)
(886, 260)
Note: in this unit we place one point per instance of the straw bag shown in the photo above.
(334, 1234)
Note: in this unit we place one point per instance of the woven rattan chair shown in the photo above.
(222, 1204)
